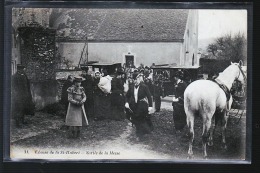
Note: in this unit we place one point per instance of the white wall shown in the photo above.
(190, 44)
(146, 53)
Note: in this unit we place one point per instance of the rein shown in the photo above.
(224, 87)
(241, 71)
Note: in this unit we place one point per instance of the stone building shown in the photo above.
(160, 36)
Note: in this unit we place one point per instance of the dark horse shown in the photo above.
(204, 97)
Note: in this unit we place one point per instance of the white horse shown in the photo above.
(205, 97)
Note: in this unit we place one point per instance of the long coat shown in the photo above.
(157, 92)
(179, 90)
(117, 99)
(75, 111)
(179, 115)
(144, 95)
(21, 96)
(139, 115)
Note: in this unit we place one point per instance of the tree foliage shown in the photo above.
(233, 48)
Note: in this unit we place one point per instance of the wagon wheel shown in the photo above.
(239, 100)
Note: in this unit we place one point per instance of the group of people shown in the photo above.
(122, 94)
(105, 96)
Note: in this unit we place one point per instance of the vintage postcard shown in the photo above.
(129, 84)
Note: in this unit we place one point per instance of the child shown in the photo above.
(76, 98)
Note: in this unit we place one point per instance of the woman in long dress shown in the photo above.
(76, 98)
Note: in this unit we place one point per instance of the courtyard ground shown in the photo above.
(107, 139)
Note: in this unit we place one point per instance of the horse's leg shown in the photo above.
(190, 123)
(212, 130)
(205, 134)
(223, 128)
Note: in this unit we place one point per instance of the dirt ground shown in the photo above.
(45, 131)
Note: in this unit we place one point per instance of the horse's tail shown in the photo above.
(187, 109)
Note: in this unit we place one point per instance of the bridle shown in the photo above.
(241, 71)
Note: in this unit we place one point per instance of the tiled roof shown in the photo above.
(121, 24)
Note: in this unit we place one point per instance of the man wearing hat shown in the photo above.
(179, 115)
(139, 105)
(22, 103)
(87, 84)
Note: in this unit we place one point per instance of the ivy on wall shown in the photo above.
(38, 52)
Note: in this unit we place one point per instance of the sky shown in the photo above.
(216, 23)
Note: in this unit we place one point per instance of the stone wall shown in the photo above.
(38, 52)
(44, 93)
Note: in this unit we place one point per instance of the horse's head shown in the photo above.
(241, 73)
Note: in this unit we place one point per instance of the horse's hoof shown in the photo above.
(205, 157)
(210, 143)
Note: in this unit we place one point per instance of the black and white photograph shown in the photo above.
(129, 84)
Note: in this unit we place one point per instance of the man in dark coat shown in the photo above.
(64, 93)
(87, 84)
(139, 104)
(157, 92)
(117, 97)
(179, 115)
(22, 103)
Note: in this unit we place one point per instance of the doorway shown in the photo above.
(129, 60)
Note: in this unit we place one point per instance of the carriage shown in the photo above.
(100, 66)
(165, 74)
